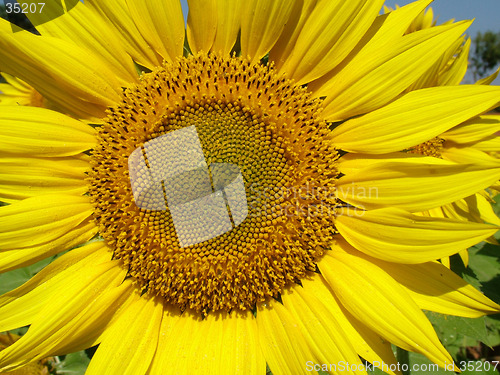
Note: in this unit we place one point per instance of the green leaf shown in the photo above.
(450, 328)
(74, 364)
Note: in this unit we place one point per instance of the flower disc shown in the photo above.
(264, 130)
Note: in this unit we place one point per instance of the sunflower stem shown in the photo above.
(403, 358)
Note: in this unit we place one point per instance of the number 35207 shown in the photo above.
(24, 8)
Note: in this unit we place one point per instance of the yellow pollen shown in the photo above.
(432, 147)
(247, 117)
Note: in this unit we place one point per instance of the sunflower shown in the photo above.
(201, 200)
(473, 142)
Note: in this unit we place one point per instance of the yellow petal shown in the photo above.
(74, 78)
(87, 29)
(128, 346)
(414, 118)
(446, 69)
(228, 25)
(473, 130)
(262, 23)
(41, 219)
(464, 255)
(282, 343)
(370, 81)
(473, 208)
(161, 360)
(434, 287)
(414, 185)
(285, 44)
(488, 80)
(367, 343)
(39, 132)
(15, 91)
(456, 72)
(202, 24)
(19, 306)
(384, 32)
(68, 317)
(397, 236)
(491, 144)
(22, 177)
(12, 259)
(161, 23)
(117, 14)
(322, 332)
(468, 155)
(330, 33)
(396, 318)
(222, 343)
(239, 348)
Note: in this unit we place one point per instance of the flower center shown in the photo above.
(213, 181)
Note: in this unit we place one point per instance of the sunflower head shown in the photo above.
(158, 199)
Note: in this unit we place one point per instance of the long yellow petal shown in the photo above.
(239, 350)
(202, 24)
(397, 236)
(41, 219)
(491, 144)
(161, 360)
(95, 252)
(385, 31)
(67, 318)
(370, 81)
(286, 42)
(19, 306)
(434, 287)
(414, 118)
(262, 23)
(39, 132)
(489, 80)
(414, 185)
(473, 130)
(330, 33)
(284, 347)
(323, 333)
(456, 72)
(74, 78)
(129, 345)
(468, 155)
(12, 259)
(367, 343)
(228, 25)
(87, 29)
(161, 23)
(448, 70)
(22, 178)
(222, 343)
(117, 14)
(473, 208)
(397, 318)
